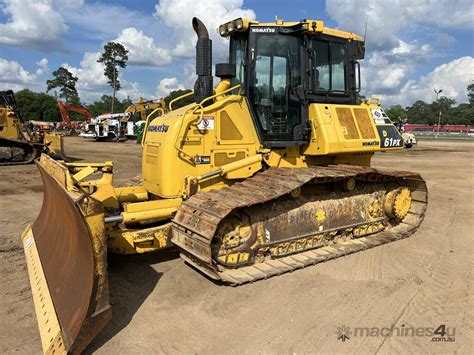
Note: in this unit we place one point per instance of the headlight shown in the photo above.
(238, 24)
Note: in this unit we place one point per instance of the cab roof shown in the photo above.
(314, 26)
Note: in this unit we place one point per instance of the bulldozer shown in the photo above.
(18, 143)
(266, 173)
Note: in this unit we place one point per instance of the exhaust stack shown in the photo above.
(203, 87)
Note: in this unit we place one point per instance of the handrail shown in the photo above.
(196, 120)
(200, 105)
(193, 108)
(221, 93)
(145, 130)
(179, 98)
(373, 98)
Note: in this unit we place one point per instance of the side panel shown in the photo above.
(9, 125)
(175, 149)
(340, 129)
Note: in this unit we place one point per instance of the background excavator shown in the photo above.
(142, 107)
(72, 127)
(18, 143)
(266, 173)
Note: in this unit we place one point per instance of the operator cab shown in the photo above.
(283, 67)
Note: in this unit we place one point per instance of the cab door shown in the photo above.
(274, 79)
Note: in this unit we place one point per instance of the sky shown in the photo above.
(412, 46)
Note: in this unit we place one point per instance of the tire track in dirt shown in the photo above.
(441, 299)
(17, 312)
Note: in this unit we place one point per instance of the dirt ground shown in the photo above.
(162, 305)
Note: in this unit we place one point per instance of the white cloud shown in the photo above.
(13, 73)
(385, 19)
(92, 83)
(42, 67)
(69, 5)
(452, 78)
(167, 85)
(102, 21)
(386, 71)
(32, 24)
(142, 49)
(177, 14)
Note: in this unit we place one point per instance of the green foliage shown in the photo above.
(114, 55)
(37, 106)
(103, 105)
(66, 82)
(470, 93)
(397, 113)
(428, 113)
(183, 102)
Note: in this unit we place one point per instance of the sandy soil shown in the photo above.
(161, 305)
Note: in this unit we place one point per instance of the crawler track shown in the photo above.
(31, 151)
(197, 221)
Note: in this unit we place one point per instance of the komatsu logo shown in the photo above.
(263, 30)
(370, 144)
(161, 128)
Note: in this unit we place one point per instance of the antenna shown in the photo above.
(365, 31)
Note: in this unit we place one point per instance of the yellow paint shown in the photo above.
(54, 143)
(48, 322)
(234, 258)
(146, 240)
(9, 124)
(375, 208)
(320, 216)
(311, 26)
(397, 202)
(402, 203)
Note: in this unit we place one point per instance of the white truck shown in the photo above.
(110, 127)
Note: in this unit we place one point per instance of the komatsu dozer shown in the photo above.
(266, 173)
(18, 144)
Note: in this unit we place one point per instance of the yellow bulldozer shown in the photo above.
(266, 173)
(18, 143)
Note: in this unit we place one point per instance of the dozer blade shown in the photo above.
(54, 144)
(66, 252)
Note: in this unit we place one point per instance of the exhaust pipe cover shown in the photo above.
(203, 86)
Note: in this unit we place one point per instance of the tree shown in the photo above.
(66, 82)
(463, 114)
(397, 113)
(114, 56)
(444, 106)
(103, 105)
(470, 93)
(183, 102)
(421, 112)
(37, 106)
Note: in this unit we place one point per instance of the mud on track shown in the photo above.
(162, 305)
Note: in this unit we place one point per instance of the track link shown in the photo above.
(32, 150)
(196, 222)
